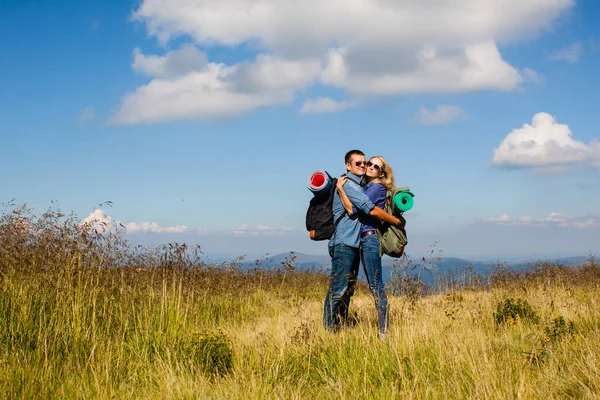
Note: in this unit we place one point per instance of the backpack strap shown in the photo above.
(336, 223)
(339, 219)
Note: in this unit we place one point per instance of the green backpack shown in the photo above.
(391, 239)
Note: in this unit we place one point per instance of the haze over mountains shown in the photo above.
(427, 267)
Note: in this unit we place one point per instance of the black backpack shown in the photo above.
(319, 216)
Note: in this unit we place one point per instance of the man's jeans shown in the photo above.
(345, 261)
(369, 252)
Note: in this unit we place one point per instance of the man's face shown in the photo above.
(357, 165)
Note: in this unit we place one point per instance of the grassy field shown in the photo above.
(83, 315)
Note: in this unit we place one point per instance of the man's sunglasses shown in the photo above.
(359, 163)
(370, 164)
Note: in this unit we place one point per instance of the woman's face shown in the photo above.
(374, 168)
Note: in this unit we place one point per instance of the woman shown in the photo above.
(379, 177)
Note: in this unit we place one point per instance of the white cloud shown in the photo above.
(311, 25)
(153, 227)
(545, 145)
(531, 76)
(98, 220)
(97, 216)
(443, 114)
(174, 63)
(552, 220)
(262, 230)
(334, 71)
(571, 53)
(102, 222)
(87, 114)
(500, 219)
(366, 47)
(595, 151)
(216, 91)
(448, 68)
(324, 105)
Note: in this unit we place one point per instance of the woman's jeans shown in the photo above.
(345, 261)
(369, 254)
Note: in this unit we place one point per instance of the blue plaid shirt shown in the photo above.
(348, 229)
(376, 192)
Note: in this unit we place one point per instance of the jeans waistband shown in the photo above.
(367, 233)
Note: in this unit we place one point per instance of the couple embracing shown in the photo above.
(358, 209)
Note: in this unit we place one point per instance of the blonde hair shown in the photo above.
(388, 174)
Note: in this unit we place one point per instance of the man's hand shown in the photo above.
(340, 182)
(401, 223)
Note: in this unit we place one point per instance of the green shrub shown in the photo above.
(212, 351)
(559, 328)
(510, 310)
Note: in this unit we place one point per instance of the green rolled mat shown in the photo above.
(404, 201)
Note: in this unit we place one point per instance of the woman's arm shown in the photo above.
(343, 196)
(363, 203)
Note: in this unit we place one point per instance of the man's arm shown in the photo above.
(381, 215)
(379, 192)
(344, 197)
(357, 197)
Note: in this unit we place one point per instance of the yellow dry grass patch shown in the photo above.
(84, 316)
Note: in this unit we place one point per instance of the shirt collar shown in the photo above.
(356, 178)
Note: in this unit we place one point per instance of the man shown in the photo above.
(345, 242)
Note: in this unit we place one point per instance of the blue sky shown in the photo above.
(201, 121)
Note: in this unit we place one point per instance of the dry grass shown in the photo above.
(84, 315)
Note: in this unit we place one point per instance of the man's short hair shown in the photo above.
(349, 155)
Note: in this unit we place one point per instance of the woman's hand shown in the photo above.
(340, 182)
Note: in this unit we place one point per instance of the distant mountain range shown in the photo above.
(428, 269)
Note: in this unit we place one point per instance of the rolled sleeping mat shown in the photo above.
(404, 201)
(319, 182)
